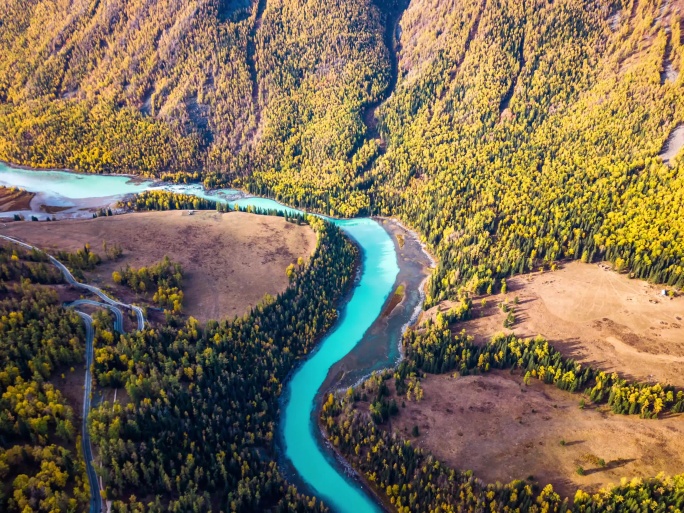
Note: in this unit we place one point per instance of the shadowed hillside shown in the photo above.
(512, 135)
(515, 134)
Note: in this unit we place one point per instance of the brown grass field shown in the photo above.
(503, 430)
(596, 316)
(230, 260)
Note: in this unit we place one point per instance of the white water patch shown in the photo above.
(673, 144)
(82, 195)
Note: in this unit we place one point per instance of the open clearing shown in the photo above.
(71, 386)
(230, 260)
(673, 144)
(503, 430)
(596, 316)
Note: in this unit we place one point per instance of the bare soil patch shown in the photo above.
(72, 387)
(113, 395)
(503, 430)
(230, 260)
(673, 144)
(594, 315)
(14, 199)
(395, 300)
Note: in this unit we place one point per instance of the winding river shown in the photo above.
(314, 465)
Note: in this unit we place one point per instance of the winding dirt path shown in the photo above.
(115, 307)
(95, 496)
(72, 281)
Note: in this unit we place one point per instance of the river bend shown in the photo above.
(314, 463)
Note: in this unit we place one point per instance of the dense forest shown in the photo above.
(196, 432)
(41, 465)
(164, 280)
(411, 479)
(167, 200)
(509, 134)
(544, 144)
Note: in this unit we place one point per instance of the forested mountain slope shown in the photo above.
(215, 86)
(530, 130)
(516, 133)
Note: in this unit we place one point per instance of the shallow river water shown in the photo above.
(314, 464)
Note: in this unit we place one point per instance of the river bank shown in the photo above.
(66, 194)
(415, 264)
(379, 348)
(391, 257)
(132, 177)
(381, 344)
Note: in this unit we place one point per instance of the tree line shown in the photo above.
(410, 478)
(164, 280)
(41, 466)
(198, 432)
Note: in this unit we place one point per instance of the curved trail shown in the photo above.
(94, 290)
(113, 306)
(118, 315)
(95, 497)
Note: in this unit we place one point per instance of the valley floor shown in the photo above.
(595, 316)
(503, 430)
(230, 260)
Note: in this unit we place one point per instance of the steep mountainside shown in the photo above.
(510, 134)
(219, 87)
(529, 130)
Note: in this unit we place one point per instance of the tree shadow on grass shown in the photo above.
(575, 442)
(611, 465)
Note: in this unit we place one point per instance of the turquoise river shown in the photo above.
(313, 462)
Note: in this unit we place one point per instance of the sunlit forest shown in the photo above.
(41, 464)
(509, 135)
(512, 134)
(543, 145)
(195, 428)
